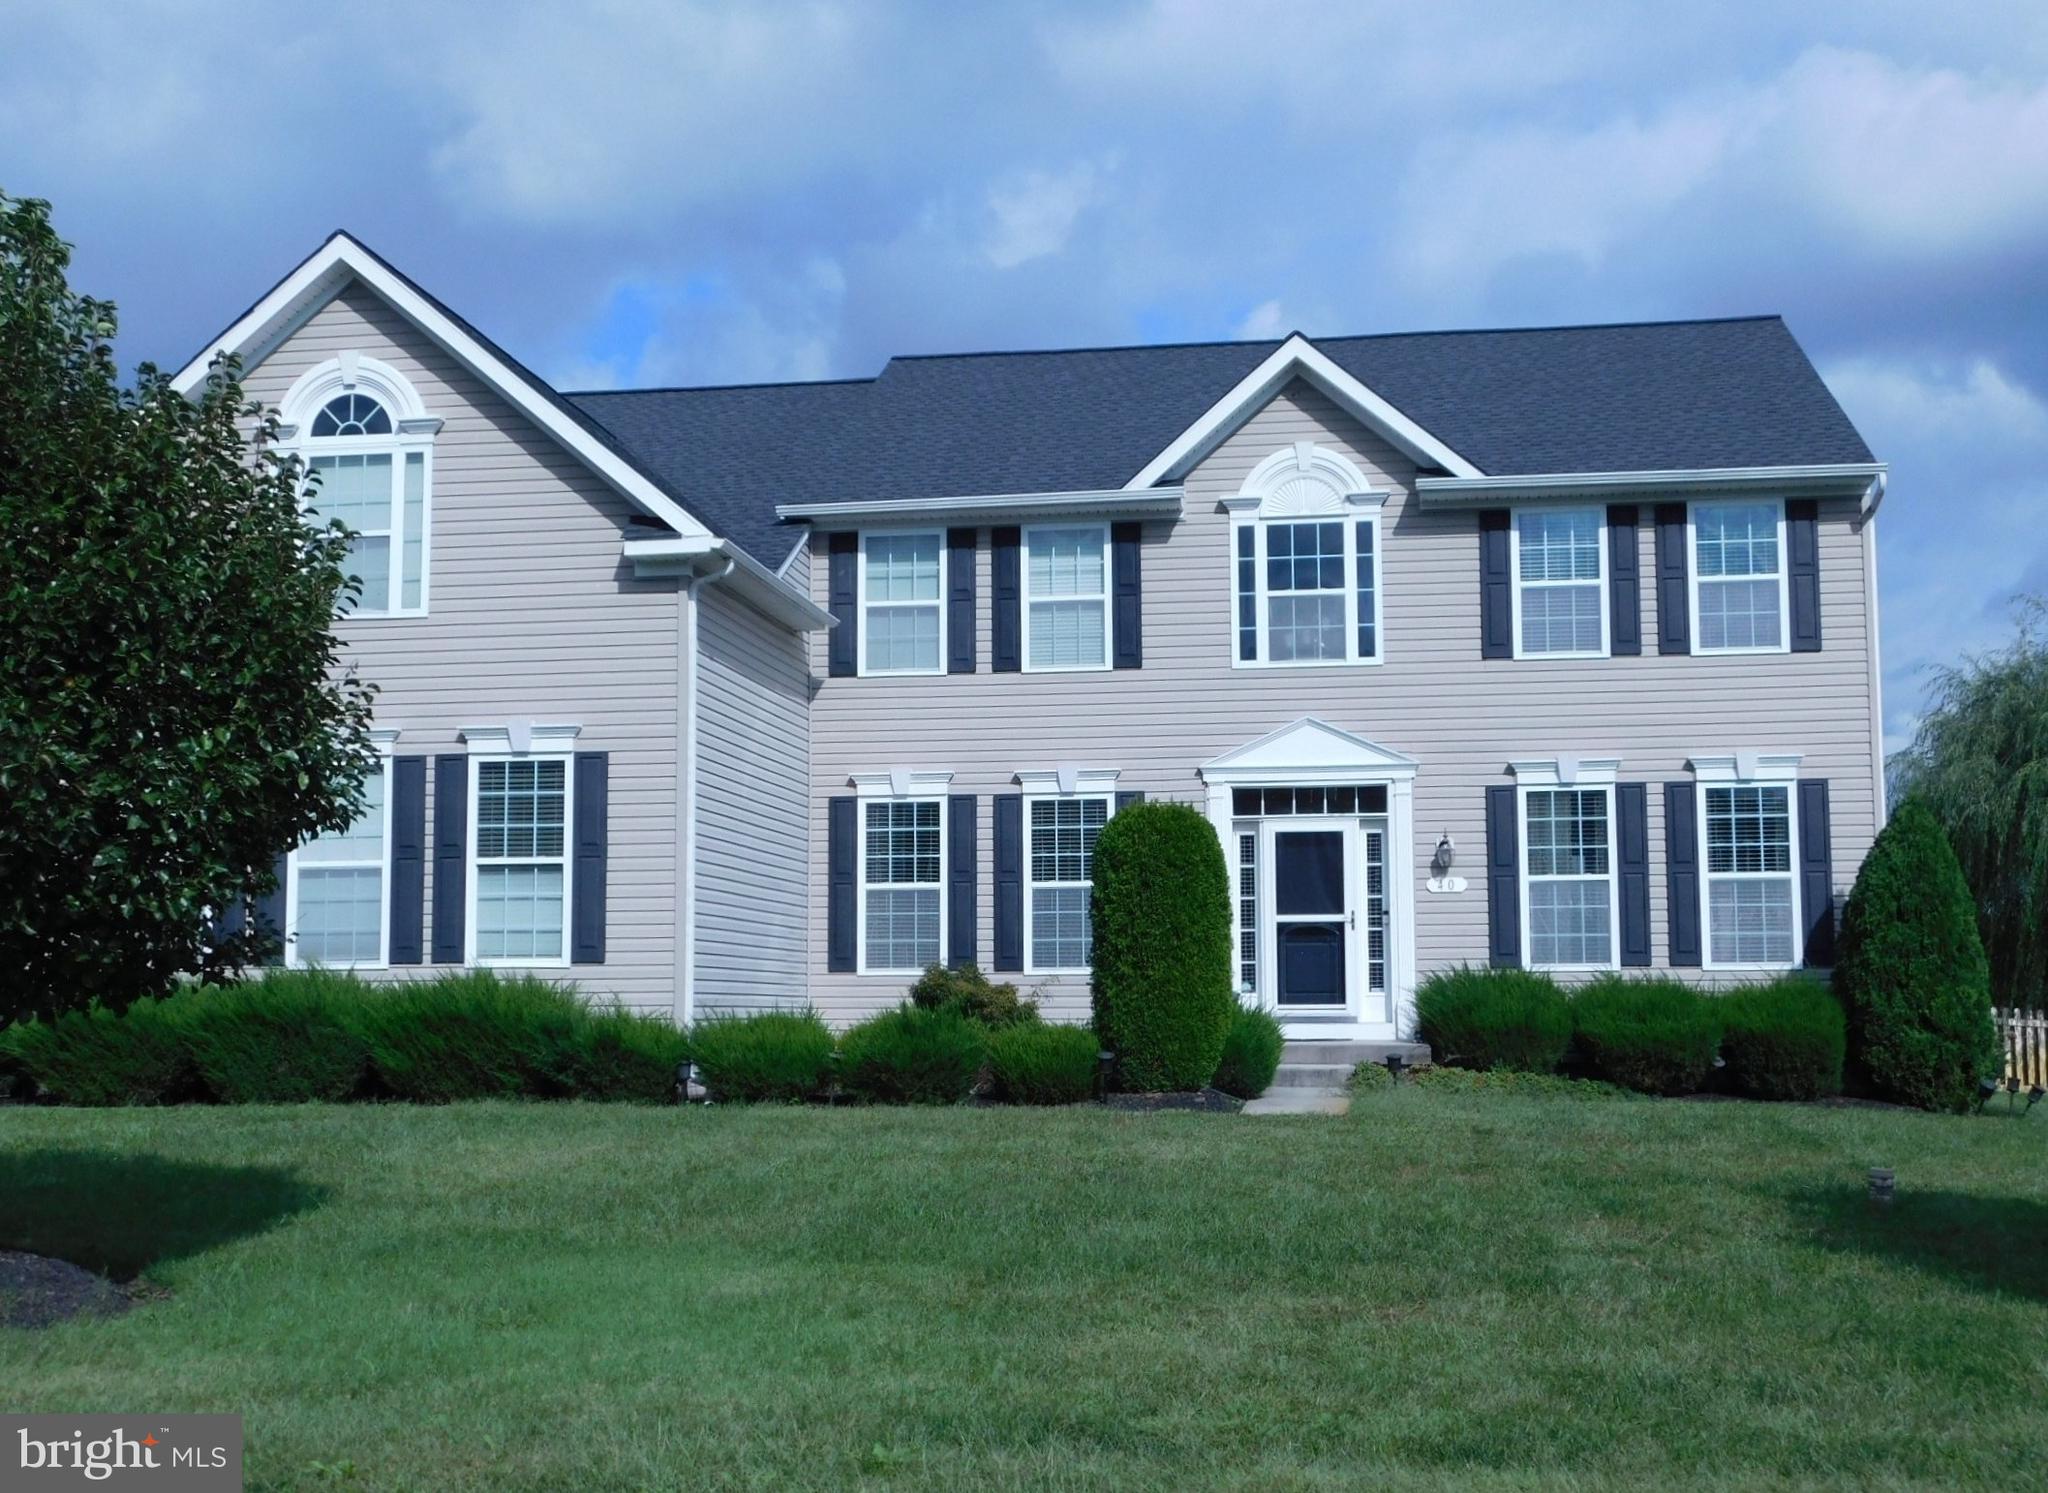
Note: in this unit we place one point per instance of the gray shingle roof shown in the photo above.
(1638, 397)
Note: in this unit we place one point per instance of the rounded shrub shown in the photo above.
(1911, 970)
(1161, 981)
(774, 1057)
(912, 1056)
(1039, 1064)
(97, 1057)
(1495, 1018)
(1655, 1035)
(281, 1039)
(964, 988)
(1251, 1053)
(1784, 1040)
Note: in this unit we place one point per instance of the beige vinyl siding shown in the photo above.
(1432, 698)
(752, 760)
(533, 617)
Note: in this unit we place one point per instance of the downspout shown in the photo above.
(1872, 497)
(686, 792)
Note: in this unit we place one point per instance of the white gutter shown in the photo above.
(1843, 477)
(676, 554)
(1151, 502)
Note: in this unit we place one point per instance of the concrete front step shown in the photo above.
(1312, 1076)
(1351, 1054)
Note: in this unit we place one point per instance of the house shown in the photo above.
(1553, 647)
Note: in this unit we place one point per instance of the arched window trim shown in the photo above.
(412, 436)
(1299, 487)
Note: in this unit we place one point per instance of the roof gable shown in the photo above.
(1308, 749)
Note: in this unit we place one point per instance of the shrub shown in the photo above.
(1514, 1084)
(1370, 1078)
(282, 1039)
(1495, 1018)
(774, 1057)
(1657, 1035)
(1161, 983)
(912, 1056)
(1251, 1053)
(964, 988)
(614, 1054)
(472, 1035)
(1784, 1040)
(1039, 1064)
(97, 1057)
(1912, 974)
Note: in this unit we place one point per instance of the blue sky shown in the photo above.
(636, 193)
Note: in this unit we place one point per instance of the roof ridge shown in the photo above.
(777, 383)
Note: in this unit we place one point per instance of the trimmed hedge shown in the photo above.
(775, 1057)
(1911, 971)
(1656, 1035)
(473, 1035)
(1040, 1064)
(1161, 982)
(912, 1056)
(1251, 1053)
(1495, 1018)
(964, 988)
(1512, 1084)
(282, 1040)
(1784, 1040)
(99, 1058)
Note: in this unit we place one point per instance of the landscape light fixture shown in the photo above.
(1882, 1184)
(1105, 1073)
(1394, 1066)
(2033, 1098)
(1986, 1087)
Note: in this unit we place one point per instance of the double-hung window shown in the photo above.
(1307, 590)
(520, 857)
(1568, 870)
(1066, 597)
(902, 879)
(902, 591)
(1739, 576)
(1752, 893)
(374, 483)
(335, 898)
(1061, 862)
(1560, 566)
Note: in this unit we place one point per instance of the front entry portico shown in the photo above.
(1317, 826)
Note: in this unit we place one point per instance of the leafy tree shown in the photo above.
(1980, 763)
(1911, 970)
(172, 713)
(1161, 983)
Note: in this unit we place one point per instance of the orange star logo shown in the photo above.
(149, 1441)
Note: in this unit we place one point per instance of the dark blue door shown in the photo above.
(1311, 914)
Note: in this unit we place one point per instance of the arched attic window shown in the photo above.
(367, 443)
(1305, 546)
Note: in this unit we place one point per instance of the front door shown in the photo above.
(1315, 916)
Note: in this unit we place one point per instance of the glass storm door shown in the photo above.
(1314, 916)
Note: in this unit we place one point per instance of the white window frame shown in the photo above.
(902, 787)
(861, 603)
(510, 744)
(412, 433)
(1600, 544)
(1025, 598)
(1748, 770)
(1055, 787)
(383, 741)
(1361, 514)
(1568, 774)
(1693, 577)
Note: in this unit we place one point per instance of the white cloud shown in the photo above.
(1033, 214)
(1974, 404)
(1264, 320)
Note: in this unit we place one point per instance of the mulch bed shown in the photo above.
(36, 1291)
(1202, 1101)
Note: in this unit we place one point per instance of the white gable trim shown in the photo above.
(321, 277)
(1298, 358)
(1309, 751)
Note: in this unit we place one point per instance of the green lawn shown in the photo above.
(1431, 1291)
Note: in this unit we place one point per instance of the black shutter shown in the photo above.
(1006, 622)
(1682, 872)
(1624, 583)
(1128, 797)
(961, 547)
(1009, 881)
(843, 646)
(1802, 552)
(842, 890)
(408, 859)
(1674, 611)
(587, 878)
(1503, 879)
(1496, 586)
(1816, 873)
(451, 856)
(266, 914)
(963, 873)
(1127, 595)
(1632, 843)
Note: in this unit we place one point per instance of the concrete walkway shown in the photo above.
(1297, 1100)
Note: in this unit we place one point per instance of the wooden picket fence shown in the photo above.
(2023, 1037)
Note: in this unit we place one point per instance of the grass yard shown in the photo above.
(1431, 1291)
